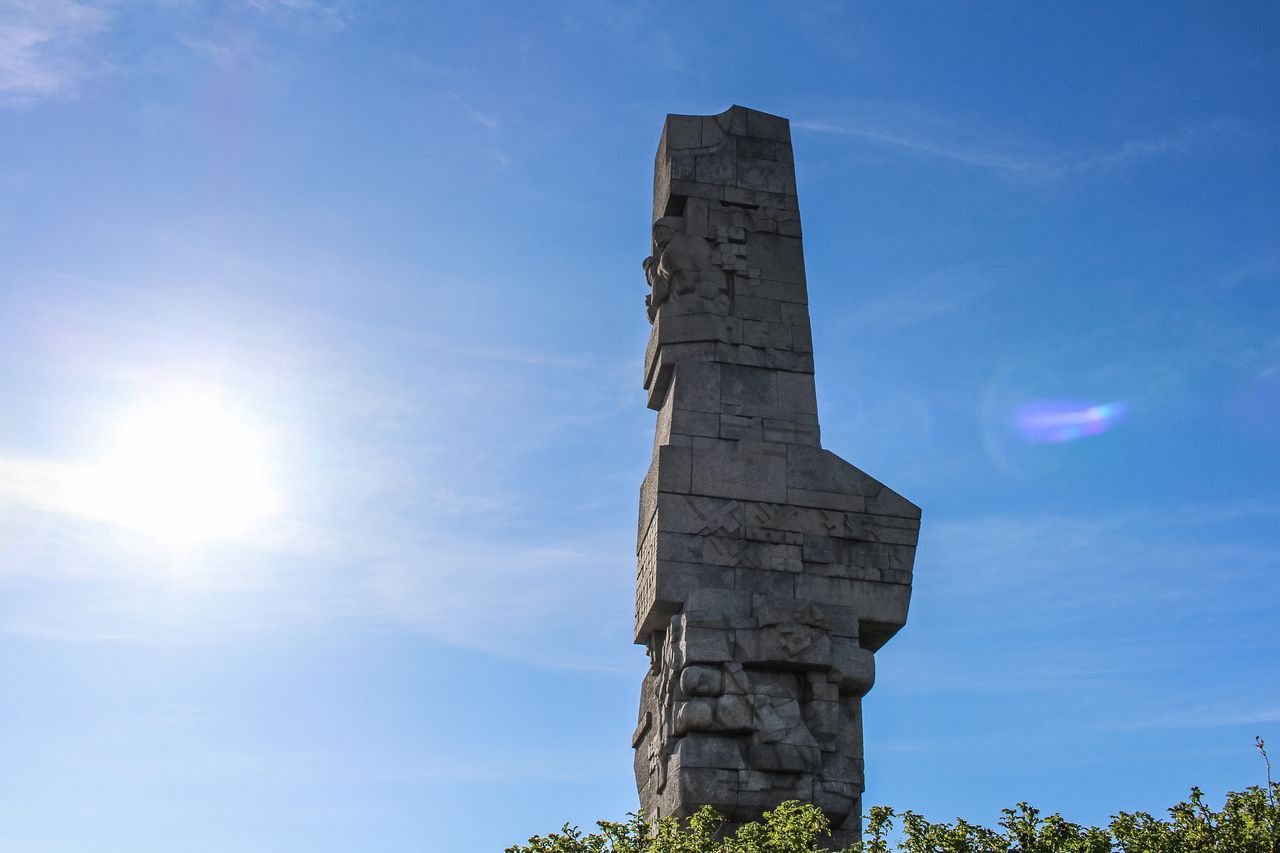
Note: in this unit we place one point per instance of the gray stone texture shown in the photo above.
(769, 570)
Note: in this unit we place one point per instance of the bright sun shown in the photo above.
(182, 470)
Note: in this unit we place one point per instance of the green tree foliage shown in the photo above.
(790, 828)
(1249, 822)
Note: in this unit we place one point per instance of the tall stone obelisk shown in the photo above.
(769, 569)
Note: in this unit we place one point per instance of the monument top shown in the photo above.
(730, 157)
(684, 131)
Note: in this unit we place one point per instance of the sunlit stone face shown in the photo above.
(182, 470)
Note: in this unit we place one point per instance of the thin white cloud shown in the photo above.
(562, 603)
(931, 296)
(325, 14)
(1201, 717)
(483, 119)
(226, 53)
(637, 28)
(45, 48)
(239, 44)
(49, 627)
(906, 142)
(543, 603)
(1259, 270)
(1086, 604)
(933, 137)
(38, 484)
(437, 537)
(475, 763)
(1145, 555)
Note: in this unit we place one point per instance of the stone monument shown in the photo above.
(768, 569)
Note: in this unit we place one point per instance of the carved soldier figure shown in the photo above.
(682, 266)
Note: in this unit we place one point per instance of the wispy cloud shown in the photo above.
(433, 529)
(542, 602)
(324, 14)
(243, 43)
(226, 53)
(929, 297)
(498, 158)
(551, 600)
(1259, 270)
(475, 763)
(640, 29)
(1200, 717)
(1085, 603)
(923, 135)
(45, 48)
(482, 119)
(1163, 552)
(35, 483)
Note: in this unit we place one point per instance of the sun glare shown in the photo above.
(182, 470)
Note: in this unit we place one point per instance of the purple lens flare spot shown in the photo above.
(1058, 421)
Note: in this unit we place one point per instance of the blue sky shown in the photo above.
(400, 243)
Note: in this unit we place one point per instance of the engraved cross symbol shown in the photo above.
(774, 516)
(722, 520)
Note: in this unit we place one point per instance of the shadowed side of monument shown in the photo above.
(768, 569)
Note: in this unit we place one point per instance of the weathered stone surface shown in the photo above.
(768, 569)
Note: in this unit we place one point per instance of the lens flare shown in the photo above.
(1058, 421)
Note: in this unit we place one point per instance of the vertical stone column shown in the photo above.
(769, 569)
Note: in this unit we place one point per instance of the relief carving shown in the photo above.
(683, 269)
(773, 709)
